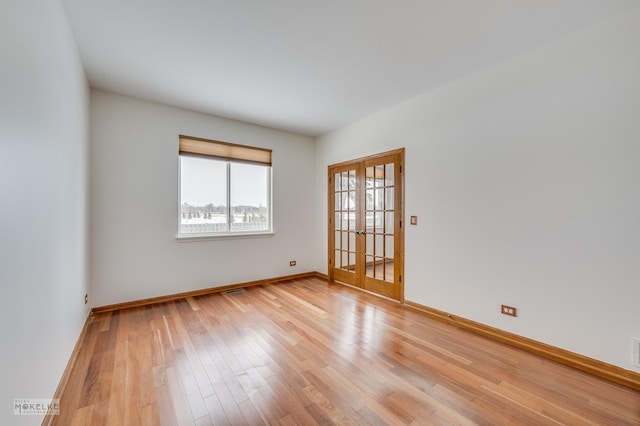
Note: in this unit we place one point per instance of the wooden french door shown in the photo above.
(366, 234)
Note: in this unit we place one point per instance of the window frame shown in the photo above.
(229, 161)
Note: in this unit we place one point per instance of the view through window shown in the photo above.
(223, 195)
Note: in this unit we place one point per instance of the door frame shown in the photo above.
(398, 215)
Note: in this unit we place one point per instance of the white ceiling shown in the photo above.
(308, 66)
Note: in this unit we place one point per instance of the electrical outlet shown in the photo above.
(292, 263)
(509, 310)
(635, 352)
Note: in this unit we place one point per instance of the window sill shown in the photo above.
(186, 238)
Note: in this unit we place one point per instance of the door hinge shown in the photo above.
(400, 169)
(399, 278)
(329, 180)
(400, 224)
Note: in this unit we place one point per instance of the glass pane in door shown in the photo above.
(345, 220)
(379, 214)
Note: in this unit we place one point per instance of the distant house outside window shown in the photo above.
(225, 189)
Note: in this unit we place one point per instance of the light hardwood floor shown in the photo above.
(307, 352)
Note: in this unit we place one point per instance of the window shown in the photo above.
(225, 188)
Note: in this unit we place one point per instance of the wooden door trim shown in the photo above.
(368, 158)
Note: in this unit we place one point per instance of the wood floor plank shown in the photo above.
(179, 397)
(165, 405)
(229, 405)
(310, 352)
(289, 398)
(251, 415)
(150, 415)
(81, 416)
(215, 410)
(119, 388)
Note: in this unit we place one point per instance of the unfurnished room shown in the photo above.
(320, 212)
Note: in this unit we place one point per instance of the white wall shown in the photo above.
(43, 201)
(134, 204)
(526, 182)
